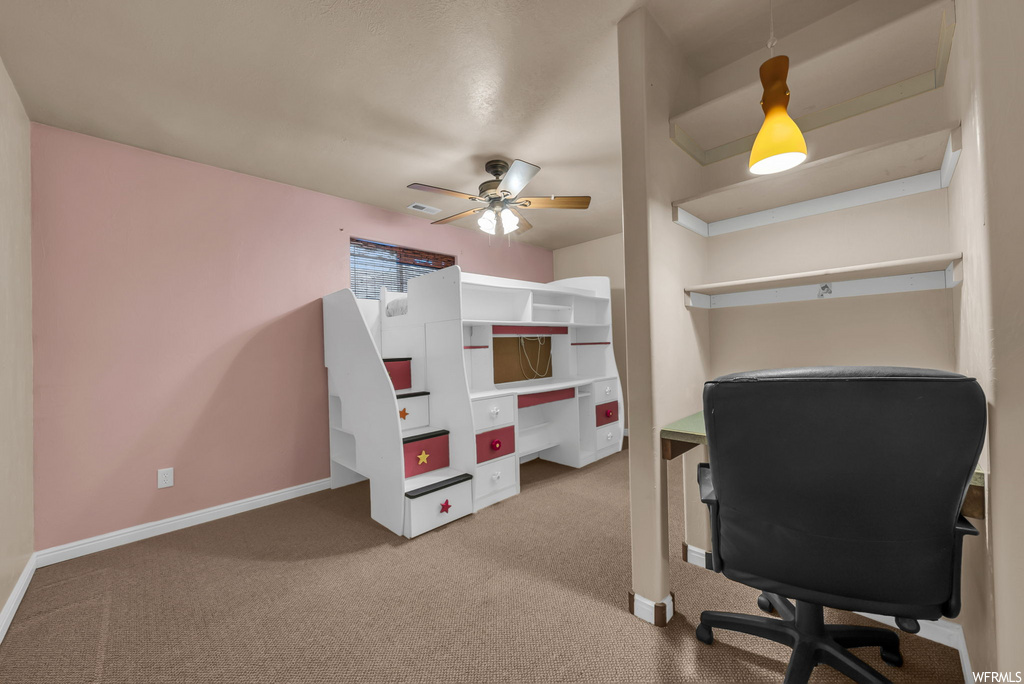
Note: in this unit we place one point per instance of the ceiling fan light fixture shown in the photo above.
(779, 144)
(509, 221)
(501, 199)
(487, 221)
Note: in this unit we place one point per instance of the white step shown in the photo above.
(413, 410)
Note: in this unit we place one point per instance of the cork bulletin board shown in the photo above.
(521, 358)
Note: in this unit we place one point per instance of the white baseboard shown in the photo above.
(644, 608)
(14, 600)
(695, 556)
(625, 432)
(103, 542)
(941, 631)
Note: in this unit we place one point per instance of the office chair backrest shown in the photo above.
(843, 481)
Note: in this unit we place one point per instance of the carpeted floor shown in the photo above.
(311, 590)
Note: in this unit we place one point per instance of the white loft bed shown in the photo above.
(441, 402)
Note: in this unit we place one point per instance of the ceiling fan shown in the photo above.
(499, 214)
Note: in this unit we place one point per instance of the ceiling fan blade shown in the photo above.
(442, 191)
(517, 176)
(524, 225)
(564, 202)
(456, 217)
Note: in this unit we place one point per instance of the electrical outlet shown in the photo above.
(164, 478)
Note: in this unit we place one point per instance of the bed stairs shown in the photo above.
(435, 493)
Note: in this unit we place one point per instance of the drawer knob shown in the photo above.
(608, 390)
(610, 435)
(495, 411)
(496, 476)
(445, 506)
(609, 413)
(495, 445)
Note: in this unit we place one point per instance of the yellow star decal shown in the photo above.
(423, 456)
(403, 413)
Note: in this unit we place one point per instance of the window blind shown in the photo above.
(374, 265)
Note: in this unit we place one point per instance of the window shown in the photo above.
(375, 264)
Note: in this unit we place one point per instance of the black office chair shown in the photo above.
(839, 487)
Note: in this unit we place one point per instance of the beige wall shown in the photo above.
(15, 339)
(972, 320)
(912, 329)
(666, 350)
(999, 101)
(602, 257)
(901, 228)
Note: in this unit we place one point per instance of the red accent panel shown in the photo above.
(607, 413)
(400, 373)
(504, 438)
(526, 400)
(484, 346)
(528, 330)
(437, 455)
(587, 344)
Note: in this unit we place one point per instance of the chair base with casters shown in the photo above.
(802, 627)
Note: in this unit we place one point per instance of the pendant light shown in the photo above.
(779, 144)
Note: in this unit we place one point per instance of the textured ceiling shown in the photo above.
(713, 34)
(355, 98)
(359, 98)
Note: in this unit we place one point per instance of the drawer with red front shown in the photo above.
(423, 453)
(400, 372)
(495, 443)
(607, 413)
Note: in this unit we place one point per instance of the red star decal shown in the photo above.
(445, 506)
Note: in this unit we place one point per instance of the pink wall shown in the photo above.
(177, 322)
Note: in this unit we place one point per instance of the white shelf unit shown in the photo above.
(905, 275)
(446, 337)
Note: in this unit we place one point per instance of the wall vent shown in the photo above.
(426, 209)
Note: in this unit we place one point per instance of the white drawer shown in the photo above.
(426, 512)
(495, 476)
(608, 435)
(491, 413)
(606, 390)
(413, 410)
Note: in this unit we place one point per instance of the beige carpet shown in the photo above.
(311, 590)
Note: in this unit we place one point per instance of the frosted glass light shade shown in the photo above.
(487, 222)
(509, 221)
(779, 144)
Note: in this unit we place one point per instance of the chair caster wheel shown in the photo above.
(894, 658)
(704, 634)
(764, 604)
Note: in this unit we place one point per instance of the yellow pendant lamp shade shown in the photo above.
(779, 144)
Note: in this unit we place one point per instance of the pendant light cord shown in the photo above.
(771, 28)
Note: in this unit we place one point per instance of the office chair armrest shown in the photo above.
(712, 560)
(707, 487)
(962, 529)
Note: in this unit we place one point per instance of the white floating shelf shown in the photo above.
(822, 187)
(906, 275)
